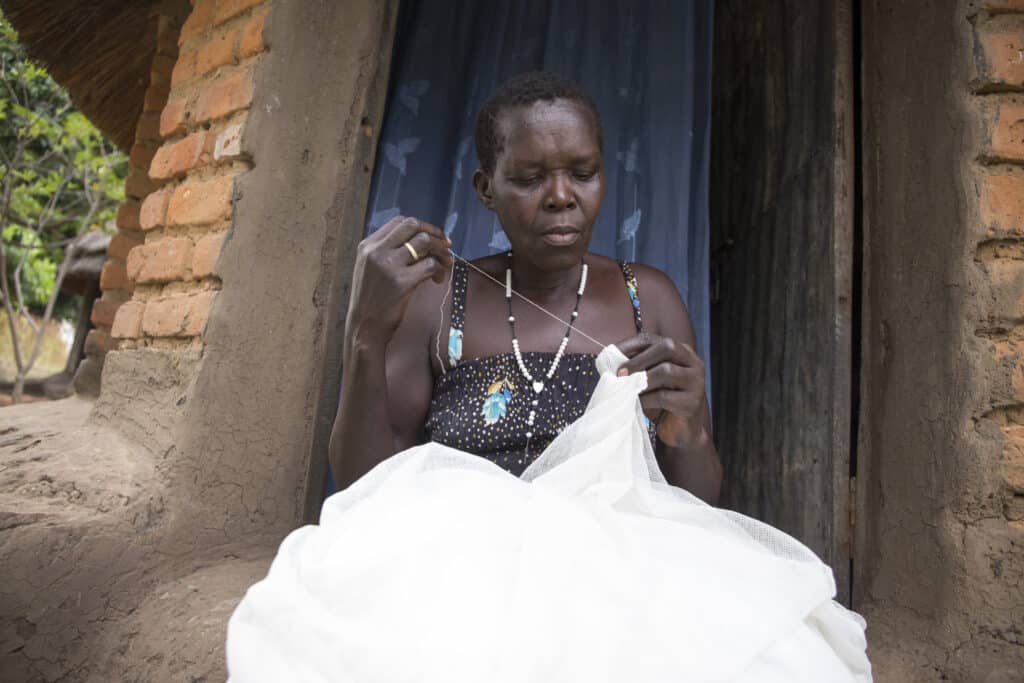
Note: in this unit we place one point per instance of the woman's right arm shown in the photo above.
(380, 344)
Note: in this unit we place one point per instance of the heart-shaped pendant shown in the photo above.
(538, 387)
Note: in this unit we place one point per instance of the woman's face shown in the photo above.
(548, 182)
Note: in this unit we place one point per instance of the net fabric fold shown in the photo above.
(440, 566)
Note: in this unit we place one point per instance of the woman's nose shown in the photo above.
(560, 195)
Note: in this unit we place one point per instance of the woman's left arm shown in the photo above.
(675, 399)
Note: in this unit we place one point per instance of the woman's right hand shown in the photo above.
(386, 274)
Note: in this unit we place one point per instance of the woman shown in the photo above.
(539, 145)
(494, 530)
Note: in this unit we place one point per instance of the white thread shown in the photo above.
(440, 322)
(537, 306)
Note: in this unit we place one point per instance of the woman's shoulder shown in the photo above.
(661, 302)
(653, 280)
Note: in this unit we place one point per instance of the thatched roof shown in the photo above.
(101, 51)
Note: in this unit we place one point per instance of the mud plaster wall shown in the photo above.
(169, 500)
(242, 451)
(938, 566)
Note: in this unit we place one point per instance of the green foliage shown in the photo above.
(59, 176)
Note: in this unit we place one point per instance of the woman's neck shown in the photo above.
(543, 285)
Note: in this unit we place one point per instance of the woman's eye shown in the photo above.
(585, 175)
(528, 180)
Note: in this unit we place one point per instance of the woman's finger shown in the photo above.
(426, 268)
(426, 244)
(668, 375)
(659, 351)
(650, 350)
(407, 228)
(636, 344)
(665, 400)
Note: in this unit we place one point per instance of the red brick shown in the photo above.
(128, 216)
(138, 184)
(103, 311)
(148, 129)
(1003, 5)
(167, 38)
(228, 143)
(1008, 131)
(225, 95)
(98, 342)
(201, 202)
(197, 22)
(172, 118)
(226, 9)
(165, 261)
(156, 96)
(154, 210)
(179, 316)
(176, 158)
(114, 276)
(133, 264)
(251, 41)
(205, 255)
(122, 243)
(1006, 305)
(217, 51)
(161, 69)
(1001, 202)
(184, 68)
(1013, 458)
(141, 155)
(128, 321)
(1000, 57)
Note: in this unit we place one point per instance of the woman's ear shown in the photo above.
(484, 190)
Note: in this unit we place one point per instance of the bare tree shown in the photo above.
(60, 177)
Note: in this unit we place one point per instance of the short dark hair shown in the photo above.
(523, 90)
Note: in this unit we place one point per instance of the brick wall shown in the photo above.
(163, 274)
(998, 175)
(115, 284)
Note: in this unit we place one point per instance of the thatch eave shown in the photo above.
(101, 51)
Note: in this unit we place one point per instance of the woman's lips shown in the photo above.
(561, 237)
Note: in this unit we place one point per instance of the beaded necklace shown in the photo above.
(538, 385)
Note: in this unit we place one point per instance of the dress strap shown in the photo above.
(633, 291)
(460, 275)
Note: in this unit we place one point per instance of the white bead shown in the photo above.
(534, 401)
(529, 435)
(511, 318)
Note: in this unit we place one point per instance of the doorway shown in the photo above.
(781, 240)
(783, 196)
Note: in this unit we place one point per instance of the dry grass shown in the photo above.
(52, 356)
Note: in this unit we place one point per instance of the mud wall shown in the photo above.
(939, 560)
(129, 535)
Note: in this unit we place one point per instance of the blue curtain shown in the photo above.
(647, 64)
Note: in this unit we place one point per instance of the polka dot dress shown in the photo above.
(481, 405)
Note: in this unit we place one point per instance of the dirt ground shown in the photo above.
(87, 594)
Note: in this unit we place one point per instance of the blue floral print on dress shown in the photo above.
(454, 346)
(499, 395)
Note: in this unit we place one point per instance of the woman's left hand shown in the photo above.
(675, 395)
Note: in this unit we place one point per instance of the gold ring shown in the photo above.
(415, 256)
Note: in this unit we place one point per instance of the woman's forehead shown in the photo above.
(546, 127)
